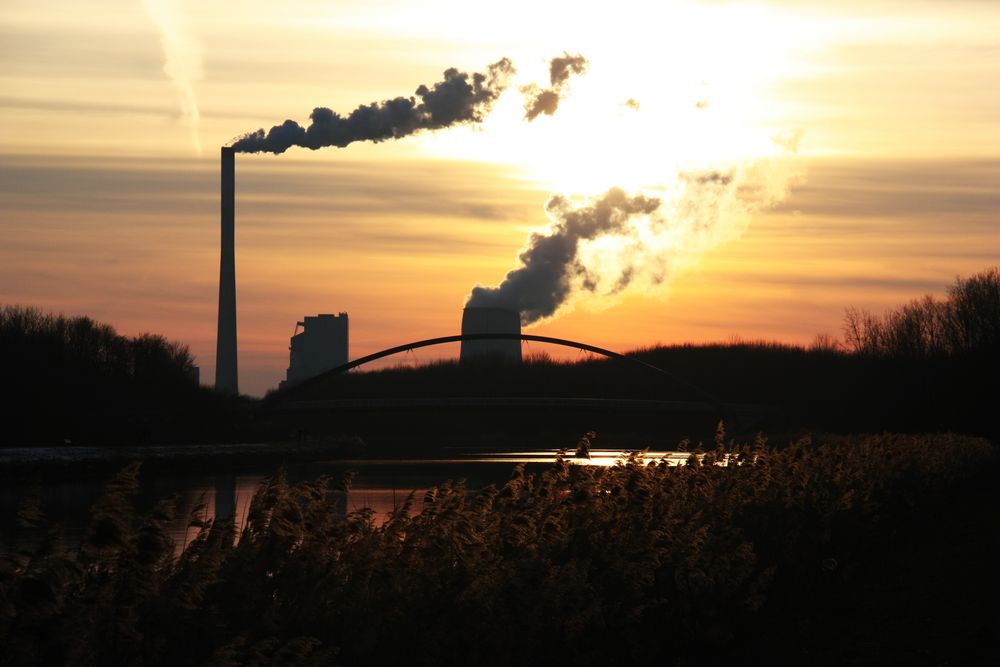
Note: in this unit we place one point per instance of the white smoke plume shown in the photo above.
(182, 59)
(600, 247)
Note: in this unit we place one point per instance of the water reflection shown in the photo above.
(598, 457)
(227, 496)
(383, 486)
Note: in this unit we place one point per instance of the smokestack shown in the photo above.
(225, 342)
(491, 321)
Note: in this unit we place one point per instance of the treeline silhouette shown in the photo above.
(748, 554)
(71, 380)
(931, 365)
(966, 323)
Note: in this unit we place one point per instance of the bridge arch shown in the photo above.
(457, 338)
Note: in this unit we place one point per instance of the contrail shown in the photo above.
(182, 62)
(458, 98)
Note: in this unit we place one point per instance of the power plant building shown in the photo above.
(320, 346)
(491, 321)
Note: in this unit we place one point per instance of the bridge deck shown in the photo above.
(507, 403)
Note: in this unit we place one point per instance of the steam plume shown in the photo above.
(546, 100)
(601, 247)
(459, 98)
(550, 264)
(182, 59)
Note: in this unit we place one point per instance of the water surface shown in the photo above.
(382, 485)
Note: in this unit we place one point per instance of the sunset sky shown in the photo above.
(864, 136)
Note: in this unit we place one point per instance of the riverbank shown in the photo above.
(85, 462)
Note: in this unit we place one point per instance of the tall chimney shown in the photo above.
(225, 342)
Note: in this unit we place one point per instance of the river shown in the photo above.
(379, 484)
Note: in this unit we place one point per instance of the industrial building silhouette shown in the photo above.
(320, 346)
(323, 342)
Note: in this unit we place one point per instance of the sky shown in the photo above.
(803, 157)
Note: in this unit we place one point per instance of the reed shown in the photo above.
(744, 551)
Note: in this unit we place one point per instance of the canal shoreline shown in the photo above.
(95, 461)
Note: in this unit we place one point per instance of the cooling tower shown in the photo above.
(491, 321)
(225, 342)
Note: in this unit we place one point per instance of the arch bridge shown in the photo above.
(288, 400)
(458, 338)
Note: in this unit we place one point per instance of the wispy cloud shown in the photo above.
(182, 55)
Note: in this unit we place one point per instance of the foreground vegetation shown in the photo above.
(747, 553)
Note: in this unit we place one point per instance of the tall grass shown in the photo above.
(742, 552)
